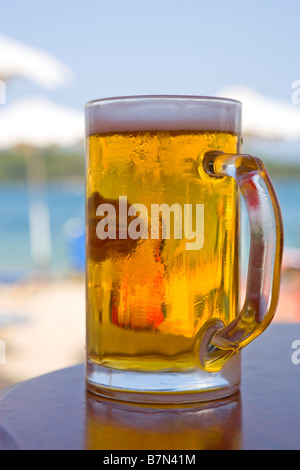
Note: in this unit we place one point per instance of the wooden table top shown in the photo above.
(54, 411)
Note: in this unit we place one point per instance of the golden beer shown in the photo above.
(148, 298)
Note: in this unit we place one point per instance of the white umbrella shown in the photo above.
(39, 123)
(265, 117)
(20, 60)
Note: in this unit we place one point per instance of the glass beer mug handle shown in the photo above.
(220, 342)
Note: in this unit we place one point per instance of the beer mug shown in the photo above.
(164, 177)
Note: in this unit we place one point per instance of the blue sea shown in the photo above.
(65, 203)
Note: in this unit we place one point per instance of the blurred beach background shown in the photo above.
(56, 56)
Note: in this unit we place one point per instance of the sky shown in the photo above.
(131, 47)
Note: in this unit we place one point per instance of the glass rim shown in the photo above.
(216, 99)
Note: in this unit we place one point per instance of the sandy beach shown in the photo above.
(43, 324)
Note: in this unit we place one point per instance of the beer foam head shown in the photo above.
(169, 113)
